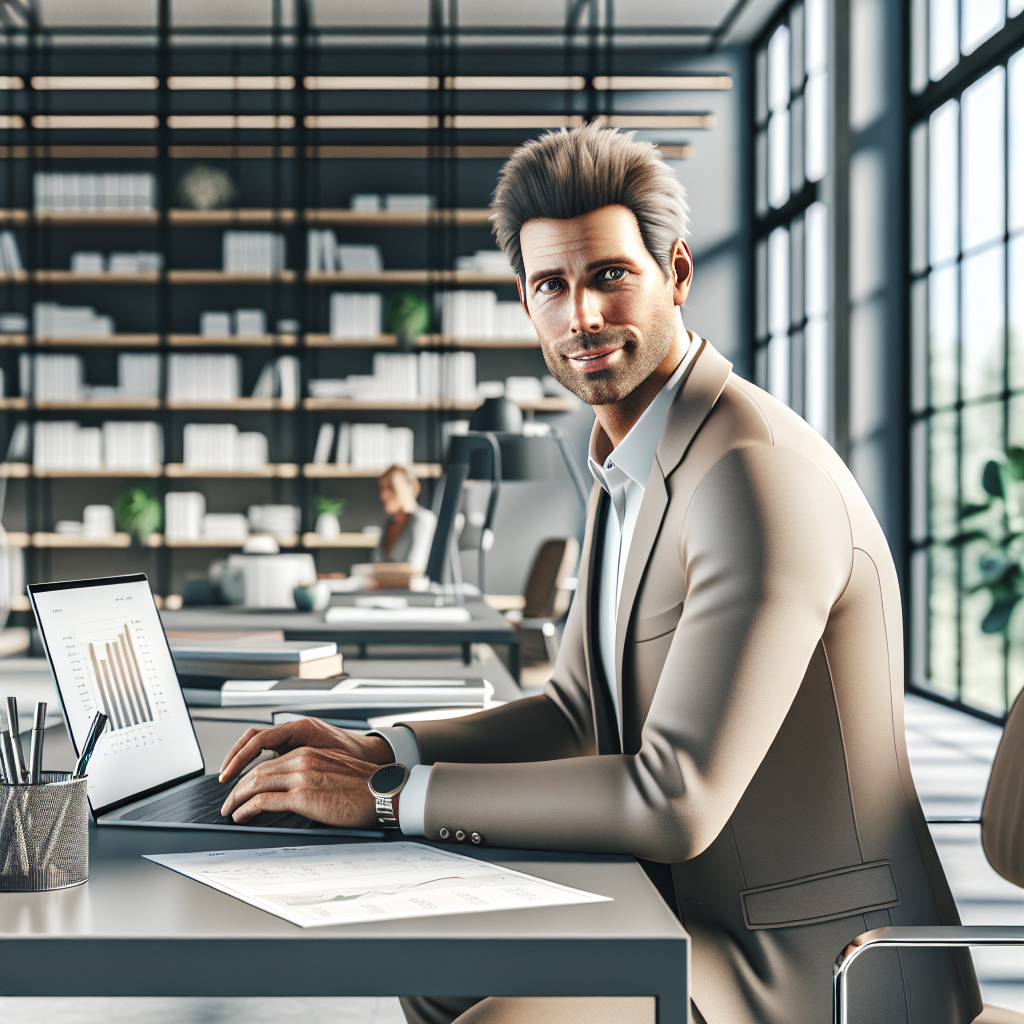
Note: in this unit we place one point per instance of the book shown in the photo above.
(353, 692)
(322, 668)
(247, 648)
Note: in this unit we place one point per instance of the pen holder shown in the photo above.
(44, 834)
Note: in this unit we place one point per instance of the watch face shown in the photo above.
(388, 780)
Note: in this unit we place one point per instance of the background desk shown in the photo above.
(138, 929)
(485, 627)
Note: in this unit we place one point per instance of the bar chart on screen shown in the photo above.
(114, 665)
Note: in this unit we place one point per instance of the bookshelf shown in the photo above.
(327, 147)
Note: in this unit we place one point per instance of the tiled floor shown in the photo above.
(950, 754)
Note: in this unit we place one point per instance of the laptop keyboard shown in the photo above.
(201, 802)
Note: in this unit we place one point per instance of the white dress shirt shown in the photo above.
(623, 474)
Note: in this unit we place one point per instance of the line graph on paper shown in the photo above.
(114, 666)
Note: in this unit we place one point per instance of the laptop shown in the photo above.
(108, 652)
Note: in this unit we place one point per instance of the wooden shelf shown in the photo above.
(158, 540)
(401, 219)
(74, 277)
(228, 218)
(99, 341)
(318, 404)
(84, 474)
(271, 471)
(235, 405)
(232, 340)
(13, 340)
(329, 341)
(414, 277)
(75, 540)
(13, 403)
(223, 277)
(332, 471)
(322, 404)
(18, 540)
(15, 470)
(446, 341)
(343, 540)
(100, 404)
(13, 276)
(8, 216)
(92, 217)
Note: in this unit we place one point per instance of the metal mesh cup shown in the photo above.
(44, 834)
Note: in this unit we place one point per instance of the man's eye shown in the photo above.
(614, 274)
(548, 287)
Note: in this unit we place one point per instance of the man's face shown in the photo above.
(600, 303)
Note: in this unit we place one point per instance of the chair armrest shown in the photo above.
(927, 935)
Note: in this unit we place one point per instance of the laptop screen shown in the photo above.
(108, 653)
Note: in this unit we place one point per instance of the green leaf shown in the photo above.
(992, 479)
(998, 616)
(1016, 457)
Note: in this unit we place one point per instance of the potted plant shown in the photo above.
(138, 511)
(407, 315)
(327, 512)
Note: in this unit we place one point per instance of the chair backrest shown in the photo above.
(1002, 813)
(555, 560)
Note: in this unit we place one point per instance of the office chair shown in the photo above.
(1002, 838)
(545, 600)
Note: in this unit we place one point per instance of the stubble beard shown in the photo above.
(642, 358)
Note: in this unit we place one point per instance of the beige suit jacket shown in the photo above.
(760, 673)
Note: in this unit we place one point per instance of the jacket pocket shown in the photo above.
(650, 627)
(825, 897)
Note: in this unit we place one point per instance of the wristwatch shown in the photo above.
(385, 784)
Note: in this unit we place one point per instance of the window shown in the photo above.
(791, 223)
(966, 303)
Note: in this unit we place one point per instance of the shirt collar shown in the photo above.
(633, 456)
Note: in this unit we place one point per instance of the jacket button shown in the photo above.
(476, 838)
(460, 836)
(444, 833)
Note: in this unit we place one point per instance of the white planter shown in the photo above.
(327, 525)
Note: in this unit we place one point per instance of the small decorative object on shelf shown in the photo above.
(205, 188)
(407, 315)
(139, 513)
(327, 512)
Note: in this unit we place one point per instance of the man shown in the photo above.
(728, 696)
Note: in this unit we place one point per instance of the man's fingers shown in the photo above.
(271, 775)
(280, 800)
(280, 738)
(239, 743)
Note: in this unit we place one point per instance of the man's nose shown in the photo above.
(586, 318)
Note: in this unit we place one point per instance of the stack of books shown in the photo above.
(356, 314)
(204, 378)
(511, 322)
(138, 375)
(280, 378)
(52, 320)
(277, 519)
(68, 445)
(487, 261)
(356, 693)
(255, 657)
(324, 253)
(51, 378)
(13, 323)
(56, 190)
(224, 446)
(242, 323)
(400, 377)
(364, 445)
(10, 258)
(184, 512)
(119, 262)
(254, 252)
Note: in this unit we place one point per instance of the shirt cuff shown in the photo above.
(412, 804)
(405, 748)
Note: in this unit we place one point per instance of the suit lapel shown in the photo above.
(700, 390)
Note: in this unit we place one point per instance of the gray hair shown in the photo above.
(566, 174)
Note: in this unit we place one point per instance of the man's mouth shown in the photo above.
(592, 360)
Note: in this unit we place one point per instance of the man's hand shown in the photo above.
(306, 732)
(325, 785)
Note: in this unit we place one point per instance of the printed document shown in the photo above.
(354, 882)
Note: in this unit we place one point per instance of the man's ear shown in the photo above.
(522, 297)
(682, 271)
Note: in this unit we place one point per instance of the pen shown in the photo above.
(19, 753)
(99, 723)
(7, 754)
(38, 727)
